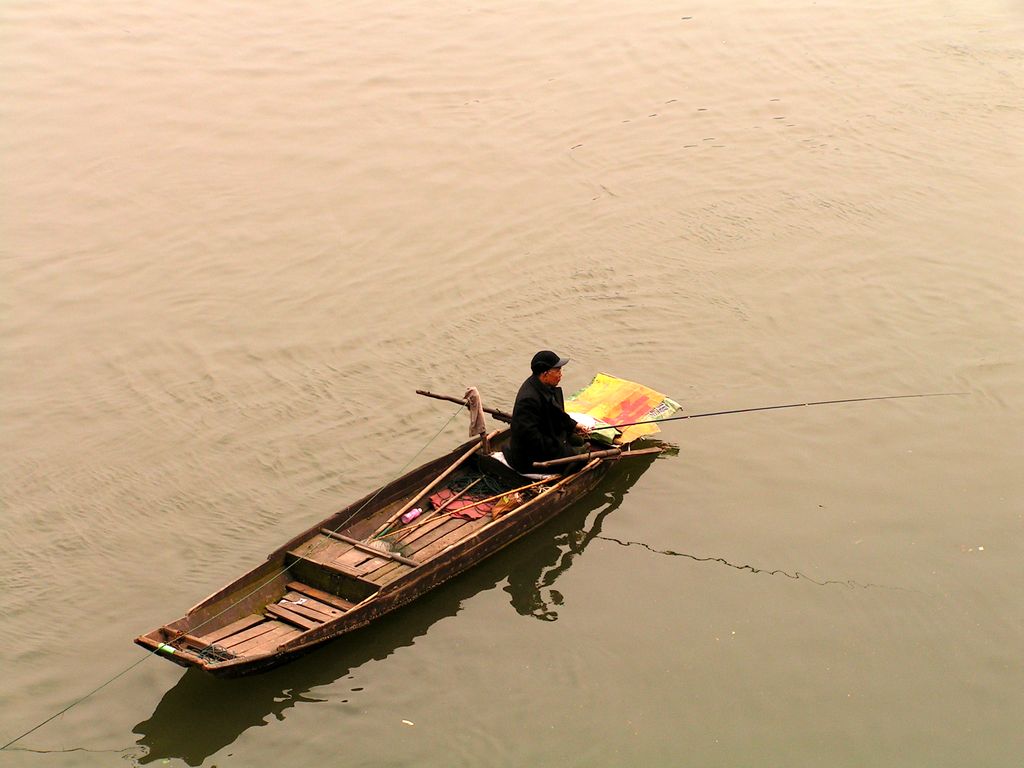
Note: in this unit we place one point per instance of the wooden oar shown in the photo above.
(499, 415)
(611, 452)
(433, 484)
(364, 547)
(435, 513)
(474, 504)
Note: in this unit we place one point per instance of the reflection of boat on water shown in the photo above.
(374, 556)
(199, 716)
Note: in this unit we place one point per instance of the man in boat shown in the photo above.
(541, 429)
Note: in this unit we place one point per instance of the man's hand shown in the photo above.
(582, 429)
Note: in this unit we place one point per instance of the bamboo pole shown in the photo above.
(518, 510)
(607, 454)
(499, 415)
(433, 484)
(362, 546)
(474, 504)
(434, 514)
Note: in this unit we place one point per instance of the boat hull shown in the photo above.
(357, 597)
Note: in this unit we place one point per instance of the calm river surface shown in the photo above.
(237, 236)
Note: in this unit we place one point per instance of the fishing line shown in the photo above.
(151, 653)
(753, 569)
(362, 506)
(98, 688)
(73, 749)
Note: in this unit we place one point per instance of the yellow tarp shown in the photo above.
(617, 401)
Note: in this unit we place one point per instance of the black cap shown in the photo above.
(545, 360)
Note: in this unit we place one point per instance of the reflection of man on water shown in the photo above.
(541, 559)
(541, 429)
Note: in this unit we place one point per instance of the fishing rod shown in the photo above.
(777, 407)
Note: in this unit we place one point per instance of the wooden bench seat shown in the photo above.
(325, 598)
(246, 637)
(301, 608)
(334, 567)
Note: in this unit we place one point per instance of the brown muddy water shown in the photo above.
(236, 237)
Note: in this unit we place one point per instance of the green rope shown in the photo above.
(151, 653)
(326, 542)
(98, 688)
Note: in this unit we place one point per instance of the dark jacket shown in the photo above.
(540, 426)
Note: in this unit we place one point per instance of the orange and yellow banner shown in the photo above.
(610, 400)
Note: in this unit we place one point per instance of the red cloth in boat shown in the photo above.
(464, 506)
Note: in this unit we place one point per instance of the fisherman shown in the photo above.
(541, 429)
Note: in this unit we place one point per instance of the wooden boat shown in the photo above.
(363, 562)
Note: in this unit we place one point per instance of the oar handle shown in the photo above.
(386, 525)
(499, 415)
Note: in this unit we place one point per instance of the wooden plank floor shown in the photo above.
(234, 627)
(343, 556)
(278, 633)
(310, 607)
(426, 543)
(419, 544)
(326, 598)
(301, 608)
